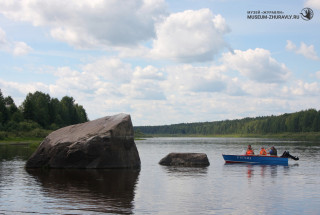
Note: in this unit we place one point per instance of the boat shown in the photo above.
(256, 159)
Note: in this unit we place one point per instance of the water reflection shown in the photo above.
(107, 191)
(262, 170)
(185, 171)
(252, 170)
(217, 189)
(15, 151)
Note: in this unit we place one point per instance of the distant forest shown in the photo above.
(303, 121)
(39, 112)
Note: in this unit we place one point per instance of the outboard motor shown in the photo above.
(286, 154)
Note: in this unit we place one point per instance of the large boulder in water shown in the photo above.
(185, 159)
(107, 142)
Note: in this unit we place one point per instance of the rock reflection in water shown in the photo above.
(107, 191)
(185, 171)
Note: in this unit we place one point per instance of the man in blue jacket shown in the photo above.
(273, 151)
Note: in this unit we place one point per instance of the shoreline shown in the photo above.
(302, 136)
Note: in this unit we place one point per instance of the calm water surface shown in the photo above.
(155, 189)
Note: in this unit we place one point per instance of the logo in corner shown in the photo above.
(306, 13)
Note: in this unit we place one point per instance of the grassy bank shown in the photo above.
(35, 136)
(13, 138)
(21, 140)
(302, 136)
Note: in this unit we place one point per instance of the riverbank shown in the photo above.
(21, 140)
(299, 136)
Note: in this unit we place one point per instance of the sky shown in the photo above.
(164, 62)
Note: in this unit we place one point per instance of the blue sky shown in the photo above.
(163, 62)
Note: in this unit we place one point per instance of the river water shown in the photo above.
(155, 189)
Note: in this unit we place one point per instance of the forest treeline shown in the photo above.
(38, 112)
(302, 121)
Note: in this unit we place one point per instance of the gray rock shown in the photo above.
(185, 159)
(107, 142)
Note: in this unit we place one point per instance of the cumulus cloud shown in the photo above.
(109, 83)
(174, 92)
(190, 36)
(188, 78)
(143, 89)
(145, 84)
(103, 78)
(110, 78)
(290, 46)
(257, 65)
(73, 80)
(110, 69)
(90, 23)
(149, 72)
(20, 89)
(126, 26)
(21, 48)
(301, 88)
(313, 4)
(3, 39)
(305, 50)
(14, 47)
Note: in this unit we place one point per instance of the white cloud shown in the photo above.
(314, 4)
(110, 78)
(190, 36)
(181, 93)
(16, 48)
(16, 89)
(145, 84)
(257, 65)
(69, 79)
(301, 88)
(143, 89)
(21, 48)
(3, 39)
(236, 87)
(108, 86)
(220, 24)
(187, 78)
(290, 46)
(149, 72)
(318, 75)
(90, 23)
(305, 50)
(110, 69)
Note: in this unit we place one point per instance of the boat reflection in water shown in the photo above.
(104, 191)
(263, 170)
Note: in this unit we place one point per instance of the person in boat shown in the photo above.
(273, 151)
(263, 151)
(249, 150)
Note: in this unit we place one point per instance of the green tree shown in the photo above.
(4, 115)
(81, 114)
(316, 122)
(36, 108)
(68, 112)
(55, 113)
(27, 108)
(11, 106)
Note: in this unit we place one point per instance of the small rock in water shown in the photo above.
(185, 159)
